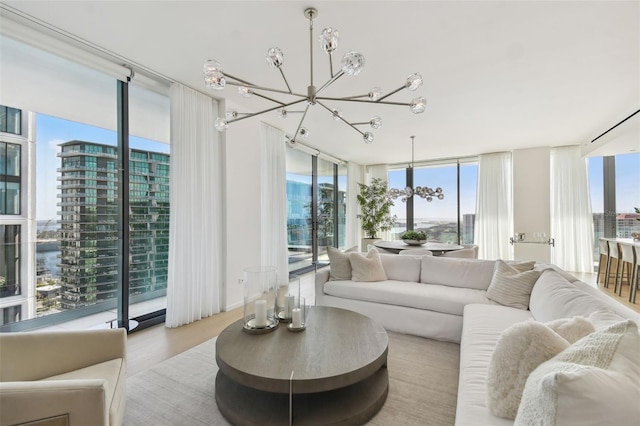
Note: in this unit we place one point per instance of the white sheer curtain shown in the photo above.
(571, 217)
(494, 207)
(273, 200)
(194, 241)
(352, 226)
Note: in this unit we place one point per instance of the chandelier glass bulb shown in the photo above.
(245, 91)
(231, 114)
(352, 63)
(418, 105)
(375, 93)
(213, 75)
(376, 122)
(282, 113)
(275, 57)
(413, 82)
(368, 137)
(303, 132)
(329, 39)
(221, 124)
(336, 114)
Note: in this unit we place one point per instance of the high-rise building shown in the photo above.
(89, 222)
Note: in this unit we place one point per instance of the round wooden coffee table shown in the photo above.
(334, 372)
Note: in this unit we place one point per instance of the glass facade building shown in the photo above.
(89, 222)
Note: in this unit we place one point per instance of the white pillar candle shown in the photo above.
(282, 292)
(289, 303)
(297, 318)
(261, 313)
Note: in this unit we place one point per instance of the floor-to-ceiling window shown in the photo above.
(449, 220)
(71, 234)
(614, 183)
(316, 207)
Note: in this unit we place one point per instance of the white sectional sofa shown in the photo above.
(446, 299)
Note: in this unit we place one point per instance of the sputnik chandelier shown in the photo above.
(421, 191)
(352, 63)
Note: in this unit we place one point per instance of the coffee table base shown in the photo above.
(351, 405)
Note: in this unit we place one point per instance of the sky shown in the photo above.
(52, 131)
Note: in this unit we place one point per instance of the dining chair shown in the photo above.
(603, 260)
(613, 254)
(625, 263)
(416, 252)
(466, 253)
(472, 246)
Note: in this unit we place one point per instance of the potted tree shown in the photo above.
(375, 208)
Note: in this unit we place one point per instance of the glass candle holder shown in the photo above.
(288, 292)
(260, 299)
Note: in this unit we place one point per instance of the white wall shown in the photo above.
(531, 201)
(242, 206)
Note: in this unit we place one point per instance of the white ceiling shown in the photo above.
(498, 75)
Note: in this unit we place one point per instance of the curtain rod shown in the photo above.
(607, 131)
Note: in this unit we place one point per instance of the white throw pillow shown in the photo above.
(339, 264)
(510, 287)
(571, 329)
(367, 268)
(595, 381)
(520, 349)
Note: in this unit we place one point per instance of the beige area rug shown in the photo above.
(423, 384)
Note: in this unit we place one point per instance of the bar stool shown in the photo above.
(613, 254)
(634, 276)
(625, 262)
(604, 259)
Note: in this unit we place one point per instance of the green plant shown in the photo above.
(375, 207)
(637, 211)
(414, 235)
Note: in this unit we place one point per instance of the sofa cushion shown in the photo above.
(510, 287)
(339, 264)
(367, 268)
(401, 268)
(437, 298)
(554, 297)
(520, 349)
(453, 272)
(482, 325)
(595, 381)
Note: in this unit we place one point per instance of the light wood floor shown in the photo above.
(158, 343)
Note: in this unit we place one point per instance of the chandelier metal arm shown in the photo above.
(266, 110)
(363, 100)
(331, 64)
(304, 115)
(285, 79)
(268, 98)
(268, 89)
(345, 121)
(330, 82)
(389, 94)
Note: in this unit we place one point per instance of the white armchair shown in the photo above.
(63, 378)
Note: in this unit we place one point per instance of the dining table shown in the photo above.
(437, 248)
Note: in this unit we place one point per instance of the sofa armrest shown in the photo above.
(83, 401)
(33, 356)
(322, 276)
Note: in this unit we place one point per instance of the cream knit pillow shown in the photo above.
(367, 268)
(596, 381)
(520, 349)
